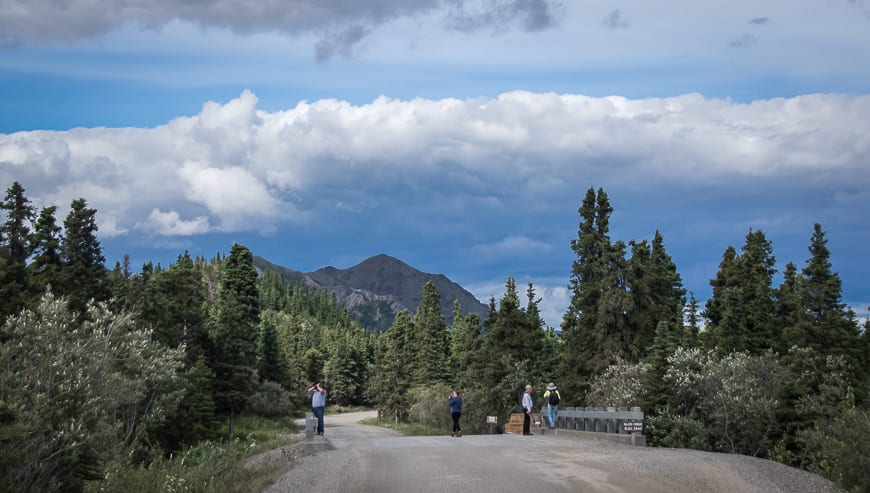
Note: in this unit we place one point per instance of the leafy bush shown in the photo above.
(620, 385)
(735, 397)
(675, 431)
(841, 450)
(271, 400)
(76, 395)
(429, 406)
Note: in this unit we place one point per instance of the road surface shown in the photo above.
(371, 459)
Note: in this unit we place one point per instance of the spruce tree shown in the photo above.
(717, 311)
(15, 248)
(15, 230)
(588, 271)
(656, 392)
(692, 326)
(741, 312)
(46, 265)
(827, 325)
(757, 270)
(271, 362)
(788, 301)
(235, 336)
(83, 276)
(614, 336)
(432, 338)
(667, 285)
(390, 389)
(512, 338)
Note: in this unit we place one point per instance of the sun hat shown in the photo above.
(552, 386)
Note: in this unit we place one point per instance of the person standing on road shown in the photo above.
(455, 403)
(527, 410)
(552, 398)
(318, 404)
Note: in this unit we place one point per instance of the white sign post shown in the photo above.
(492, 420)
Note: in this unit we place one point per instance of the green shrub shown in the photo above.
(620, 385)
(270, 400)
(670, 430)
(429, 406)
(206, 468)
(840, 450)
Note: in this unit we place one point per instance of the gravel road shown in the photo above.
(375, 460)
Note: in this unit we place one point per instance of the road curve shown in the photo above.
(376, 460)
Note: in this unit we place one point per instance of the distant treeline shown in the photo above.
(101, 367)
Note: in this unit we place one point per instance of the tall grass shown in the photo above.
(406, 429)
(209, 467)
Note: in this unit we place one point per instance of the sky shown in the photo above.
(458, 136)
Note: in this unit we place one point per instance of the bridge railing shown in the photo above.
(599, 419)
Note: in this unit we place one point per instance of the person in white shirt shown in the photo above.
(527, 410)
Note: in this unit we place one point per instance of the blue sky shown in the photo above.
(458, 136)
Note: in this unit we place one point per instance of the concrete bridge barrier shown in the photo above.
(623, 425)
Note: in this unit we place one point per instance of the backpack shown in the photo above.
(553, 398)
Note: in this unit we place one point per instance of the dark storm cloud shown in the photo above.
(531, 15)
(341, 24)
(341, 43)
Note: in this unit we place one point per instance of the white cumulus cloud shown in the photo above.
(234, 167)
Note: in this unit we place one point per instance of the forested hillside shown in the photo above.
(107, 369)
(378, 288)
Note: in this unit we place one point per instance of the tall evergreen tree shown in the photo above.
(656, 391)
(15, 248)
(390, 388)
(614, 336)
(46, 265)
(15, 230)
(235, 334)
(667, 285)
(826, 324)
(84, 273)
(592, 247)
(788, 300)
(432, 338)
(512, 338)
(757, 270)
(741, 312)
(692, 323)
(271, 362)
(172, 303)
(717, 311)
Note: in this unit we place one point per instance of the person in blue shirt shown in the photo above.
(318, 404)
(552, 399)
(455, 403)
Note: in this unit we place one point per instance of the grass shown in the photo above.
(209, 467)
(345, 409)
(406, 429)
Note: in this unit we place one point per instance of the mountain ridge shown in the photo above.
(379, 287)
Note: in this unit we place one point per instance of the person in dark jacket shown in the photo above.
(455, 403)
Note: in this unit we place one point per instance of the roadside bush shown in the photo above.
(271, 400)
(75, 396)
(734, 397)
(620, 385)
(674, 431)
(429, 406)
(841, 450)
(206, 468)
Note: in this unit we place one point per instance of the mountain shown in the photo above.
(378, 288)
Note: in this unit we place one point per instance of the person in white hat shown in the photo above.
(552, 398)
